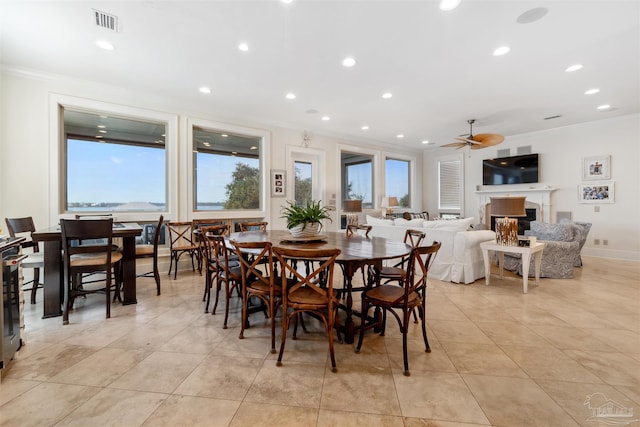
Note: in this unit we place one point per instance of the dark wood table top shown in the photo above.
(354, 248)
(120, 229)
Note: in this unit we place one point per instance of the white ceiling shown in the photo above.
(438, 65)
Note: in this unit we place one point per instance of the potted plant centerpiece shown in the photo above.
(304, 221)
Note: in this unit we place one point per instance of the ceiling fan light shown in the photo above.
(592, 91)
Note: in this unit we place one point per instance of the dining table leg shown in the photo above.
(53, 279)
(129, 270)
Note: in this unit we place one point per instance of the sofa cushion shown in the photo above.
(372, 220)
(563, 232)
(462, 224)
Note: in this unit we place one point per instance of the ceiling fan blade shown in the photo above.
(468, 141)
(488, 139)
(478, 146)
(455, 144)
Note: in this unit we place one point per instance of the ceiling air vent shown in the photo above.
(557, 116)
(106, 20)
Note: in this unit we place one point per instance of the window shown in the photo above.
(357, 178)
(450, 185)
(397, 181)
(227, 172)
(303, 184)
(113, 164)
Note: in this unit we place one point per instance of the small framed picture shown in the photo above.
(596, 168)
(596, 192)
(278, 183)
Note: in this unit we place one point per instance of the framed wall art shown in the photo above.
(278, 182)
(596, 168)
(596, 192)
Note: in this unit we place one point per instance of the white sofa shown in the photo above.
(459, 259)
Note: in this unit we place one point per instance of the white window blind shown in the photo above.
(450, 185)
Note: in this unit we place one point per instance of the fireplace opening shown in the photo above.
(524, 223)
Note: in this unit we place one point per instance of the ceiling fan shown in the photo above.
(481, 140)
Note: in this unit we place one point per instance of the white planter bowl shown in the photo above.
(312, 229)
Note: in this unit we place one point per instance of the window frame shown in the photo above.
(377, 179)
(188, 176)
(57, 163)
(444, 209)
(411, 177)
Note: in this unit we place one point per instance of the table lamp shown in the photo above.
(352, 207)
(507, 228)
(387, 205)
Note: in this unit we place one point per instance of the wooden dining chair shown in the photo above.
(354, 228)
(151, 251)
(259, 280)
(78, 259)
(181, 242)
(401, 301)
(35, 259)
(197, 225)
(228, 272)
(212, 263)
(311, 292)
(398, 271)
(254, 226)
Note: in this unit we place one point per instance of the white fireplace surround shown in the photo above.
(536, 198)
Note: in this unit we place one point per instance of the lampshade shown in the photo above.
(353, 205)
(388, 202)
(508, 206)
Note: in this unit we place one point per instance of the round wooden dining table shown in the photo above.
(356, 251)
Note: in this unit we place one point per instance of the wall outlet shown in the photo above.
(596, 208)
(596, 241)
(605, 242)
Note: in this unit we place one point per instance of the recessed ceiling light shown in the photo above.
(234, 153)
(103, 44)
(290, 95)
(604, 107)
(253, 147)
(101, 126)
(387, 95)
(224, 135)
(348, 62)
(365, 127)
(99, 136)
(326, 118)
(426, 141)
(206, 144)
(502, 50)
(449, 4)
(574, 67)
(286, 1)
(205, 90)
(592, 91)
(243, 47)
(102, 131)
(399, 135)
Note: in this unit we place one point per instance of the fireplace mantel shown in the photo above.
(538, 196)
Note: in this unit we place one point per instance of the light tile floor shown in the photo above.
(499, 357)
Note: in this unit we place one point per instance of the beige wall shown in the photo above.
(561, 151)
(26, 143)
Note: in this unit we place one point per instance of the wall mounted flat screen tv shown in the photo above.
(510, 170)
